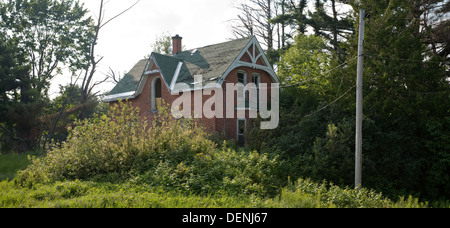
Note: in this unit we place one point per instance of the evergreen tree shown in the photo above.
(294, 14)
(335, 27)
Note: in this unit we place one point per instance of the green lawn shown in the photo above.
(77, 194)
(11, 163)
(91, 194)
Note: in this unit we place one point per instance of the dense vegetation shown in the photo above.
(110, 162)
(406, 128)
(167, 152)
(406, 146)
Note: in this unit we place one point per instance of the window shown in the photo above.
(242, 77)
(241, 129)
(256, 79)
(241, 97)
(156, 94)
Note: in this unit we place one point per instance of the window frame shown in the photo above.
(238, 128)
(153, 95)
(257, 83)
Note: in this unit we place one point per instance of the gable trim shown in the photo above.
(175, 77)
(121, 96)
(238, 63)
(151, 61)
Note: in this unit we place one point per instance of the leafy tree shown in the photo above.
(47, 35)
(52, 33)
(163, 45)
(406, 105)
(406, 102)
(62, 112)
(306, 64)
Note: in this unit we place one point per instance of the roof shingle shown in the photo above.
(210, 61)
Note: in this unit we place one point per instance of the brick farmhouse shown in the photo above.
(154, 80)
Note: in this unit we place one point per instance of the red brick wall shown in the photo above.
(220, 125)
(230, 125)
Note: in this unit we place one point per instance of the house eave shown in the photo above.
(120, 96)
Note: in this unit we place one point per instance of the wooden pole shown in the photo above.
(359, 102)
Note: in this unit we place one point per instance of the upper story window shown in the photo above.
(156, 94)
(256, 79)
(241, 95)
(242, 77)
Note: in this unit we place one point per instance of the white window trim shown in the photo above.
(257, 75)
(242, 97)
(245, 76)
(237, 128)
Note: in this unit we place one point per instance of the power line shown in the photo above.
(323, 74)
(406, 60)
(328, 105)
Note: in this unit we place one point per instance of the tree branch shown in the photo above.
(118, 15)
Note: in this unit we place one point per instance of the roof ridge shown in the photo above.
(221, 43)
(190, 50)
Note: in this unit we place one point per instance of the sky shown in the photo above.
(128, 38)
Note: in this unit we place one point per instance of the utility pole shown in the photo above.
(359, 102)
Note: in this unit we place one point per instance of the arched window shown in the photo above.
(156, 94)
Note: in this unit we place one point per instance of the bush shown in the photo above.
(306, 193)
(217, 171)
(120, 144)
(174, 154)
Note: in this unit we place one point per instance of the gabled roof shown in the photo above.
(131, 80)
(213, 62)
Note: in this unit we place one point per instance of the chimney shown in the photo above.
(176, 44)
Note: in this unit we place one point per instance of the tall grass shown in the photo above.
(307, 194)
(11, 163)
(88, 194)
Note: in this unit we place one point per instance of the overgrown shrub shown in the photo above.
(121, 143)
(174, 154)
(306, 193)
(222, 170)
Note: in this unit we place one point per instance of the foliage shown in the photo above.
(102, 193)
(88, 194)
(305, 63)
(167, 152)
(406, 108)
(50, 32)
(10, 164)
(63, 111)
(163, 44)
(40, 37)
(406, 93)
(306, 193)
(335, 27)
